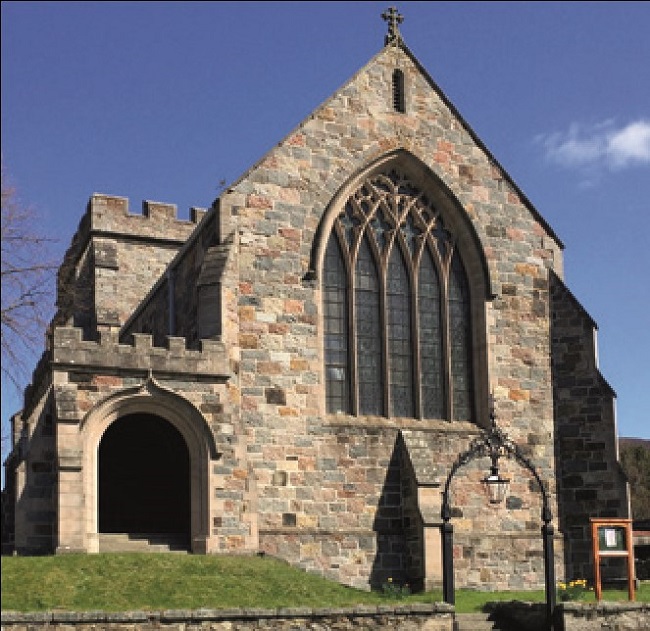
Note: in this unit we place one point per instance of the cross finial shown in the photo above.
(394, 19)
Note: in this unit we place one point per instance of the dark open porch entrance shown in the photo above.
(144, 479)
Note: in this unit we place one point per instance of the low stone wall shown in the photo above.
(571, 616)
(416, 617)
(600, 616)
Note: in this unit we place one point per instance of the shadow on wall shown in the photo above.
(34, 507)
(398, 526)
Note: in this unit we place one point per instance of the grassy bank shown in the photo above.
(132, 582)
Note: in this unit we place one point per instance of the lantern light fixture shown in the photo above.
(496, 488)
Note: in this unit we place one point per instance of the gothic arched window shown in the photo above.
(397, 318)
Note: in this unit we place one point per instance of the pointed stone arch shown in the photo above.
(151, 398)
(466, 242)
(423, 177)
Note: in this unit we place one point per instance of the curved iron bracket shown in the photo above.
(495, 444)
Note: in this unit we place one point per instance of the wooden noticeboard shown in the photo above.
(612, 538)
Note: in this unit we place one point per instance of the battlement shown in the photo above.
(110, 213)
(70, 351)
(105, 240)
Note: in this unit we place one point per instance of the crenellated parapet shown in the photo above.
(95, 383)
(111, 213)
(70, 352)
(114, 259)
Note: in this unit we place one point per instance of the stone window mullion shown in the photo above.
(386, 387)
(352, 331)
(446, 343)
(407, 305)
(413, 265)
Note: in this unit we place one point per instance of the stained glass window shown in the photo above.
(431, 356)
(396, 303)
(335, 287)
(459, 339)
(400, 344)
(369, 338)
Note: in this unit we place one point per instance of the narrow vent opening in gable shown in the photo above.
(399, 104)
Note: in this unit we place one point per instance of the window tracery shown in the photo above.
(398, 337)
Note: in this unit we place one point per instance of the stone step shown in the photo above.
(474, 622)
(137, 542)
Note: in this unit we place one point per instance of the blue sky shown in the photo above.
(165, 100)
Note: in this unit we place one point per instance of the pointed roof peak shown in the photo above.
(394, 19)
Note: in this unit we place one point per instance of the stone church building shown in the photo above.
(295, 370)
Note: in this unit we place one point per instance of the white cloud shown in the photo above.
(630, 144)
(601, 145)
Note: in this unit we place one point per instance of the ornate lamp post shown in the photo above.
(495, 444)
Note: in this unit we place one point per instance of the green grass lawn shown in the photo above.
(137, 582)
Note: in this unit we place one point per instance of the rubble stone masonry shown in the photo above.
(216, 326)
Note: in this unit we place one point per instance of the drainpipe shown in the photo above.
(171, 302)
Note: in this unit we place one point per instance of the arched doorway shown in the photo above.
(144, 478)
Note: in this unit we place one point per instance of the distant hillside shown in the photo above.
(635, 460)
(632, 442)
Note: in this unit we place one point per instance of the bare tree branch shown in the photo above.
(28, 283)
